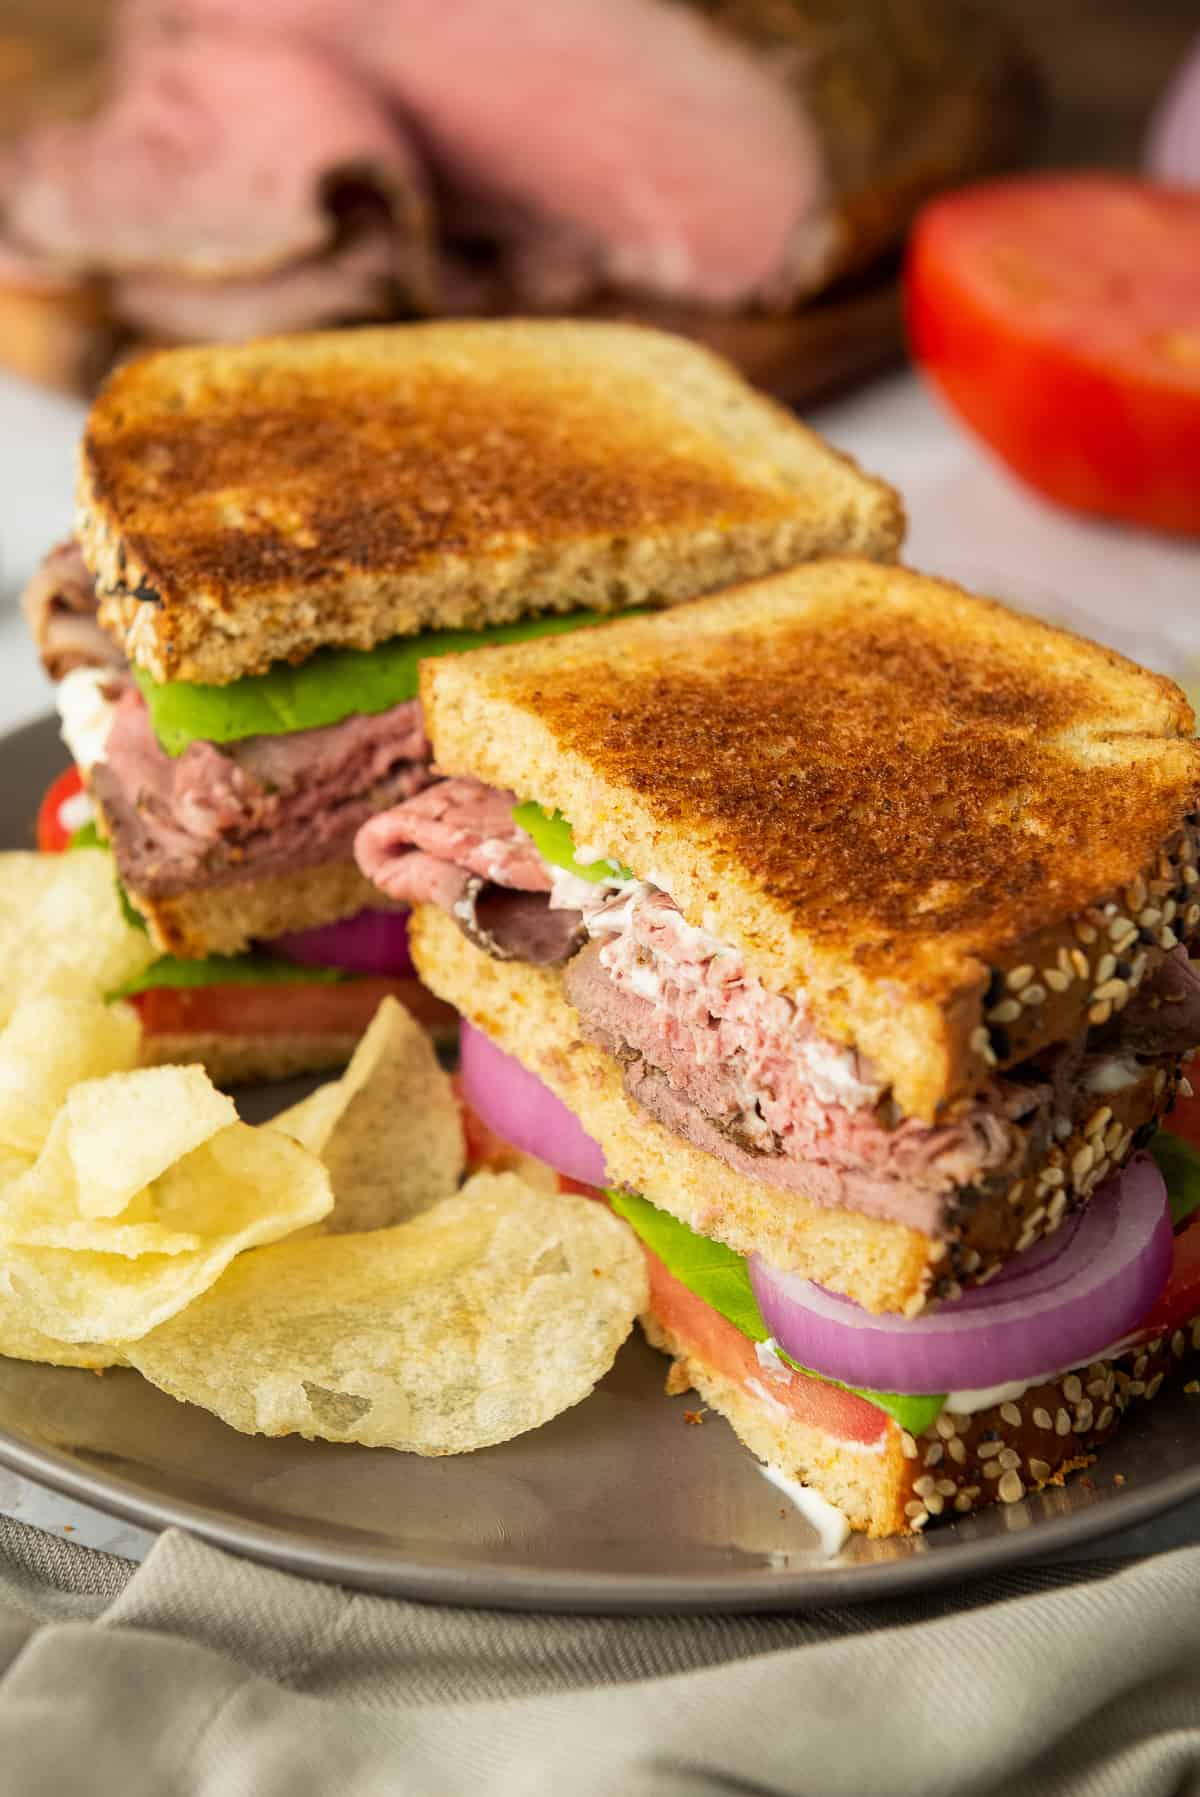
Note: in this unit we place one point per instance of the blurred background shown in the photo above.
(770, 176)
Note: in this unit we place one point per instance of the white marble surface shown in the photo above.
(967, 519)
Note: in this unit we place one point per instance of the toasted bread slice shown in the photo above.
(229, 919)
(240, 506)
(882, 1264)
(958, 833)
(893, 1483)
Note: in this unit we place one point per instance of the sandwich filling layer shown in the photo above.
(739, 1070)
(268, 804)
(206, 786)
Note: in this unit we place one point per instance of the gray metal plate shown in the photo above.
(617, 1505)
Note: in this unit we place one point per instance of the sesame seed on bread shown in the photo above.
(245, 505)
(960, 834)
(963, 1462)
(881, 1263)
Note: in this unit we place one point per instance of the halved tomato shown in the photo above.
(1060, 316)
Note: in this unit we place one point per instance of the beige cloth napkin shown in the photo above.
(200, 1673)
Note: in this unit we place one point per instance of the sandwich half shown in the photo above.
(271, 538)
(869, 894)
(847, 912)
(1000, 1396)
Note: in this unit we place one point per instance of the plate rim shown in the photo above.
(386, 1571)
(467, 1584)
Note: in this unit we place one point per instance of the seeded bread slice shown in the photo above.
(964, 1462)
(245, 505)
(958, 833)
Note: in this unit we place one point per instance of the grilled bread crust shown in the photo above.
(240, 506)
(882, 1264)
(960, 833)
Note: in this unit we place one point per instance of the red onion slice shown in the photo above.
(515, 1104)
(369, 942)
(1051, 1309)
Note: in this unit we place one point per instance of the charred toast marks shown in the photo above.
(946, 825)
(247, 505)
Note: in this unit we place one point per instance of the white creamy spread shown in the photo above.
(569, 893)
(76, 811)
(835, 1073)
(989, 1396)
(833, 1528)
(770, 1359)
(587, 856)
(966, 1403)
(1114, 1073)
(765, 1397)
(85, 714)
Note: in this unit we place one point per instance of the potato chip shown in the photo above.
(19, 1342)
(13, 1164)
(478, 1320)
(50, 1045)
(63, 933)
(389, 1131)
(125, 1131)
(241, 1188)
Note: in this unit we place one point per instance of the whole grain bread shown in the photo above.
(882, 1264)
(245, 505)
(963, 1462)
(229, 919)
(959, 833)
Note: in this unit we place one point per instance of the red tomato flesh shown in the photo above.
(52, 834)
(1060, 316)
(704, 1332)
(281, 1010)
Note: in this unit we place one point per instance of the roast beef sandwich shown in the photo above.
(271, 538)
(868, 980)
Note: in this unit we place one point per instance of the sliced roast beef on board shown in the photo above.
(728, 156)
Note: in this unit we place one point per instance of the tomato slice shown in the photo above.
(344, 1009)
(704, 1332)
(1184, 1118)
(52, 834)
(1180, 1303)
(1060, 316)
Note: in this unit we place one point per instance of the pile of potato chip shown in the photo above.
(142, 1224)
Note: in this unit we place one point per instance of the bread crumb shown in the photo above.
(1118, 1478)
(695, 1417)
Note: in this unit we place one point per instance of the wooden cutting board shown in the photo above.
(49, 58)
